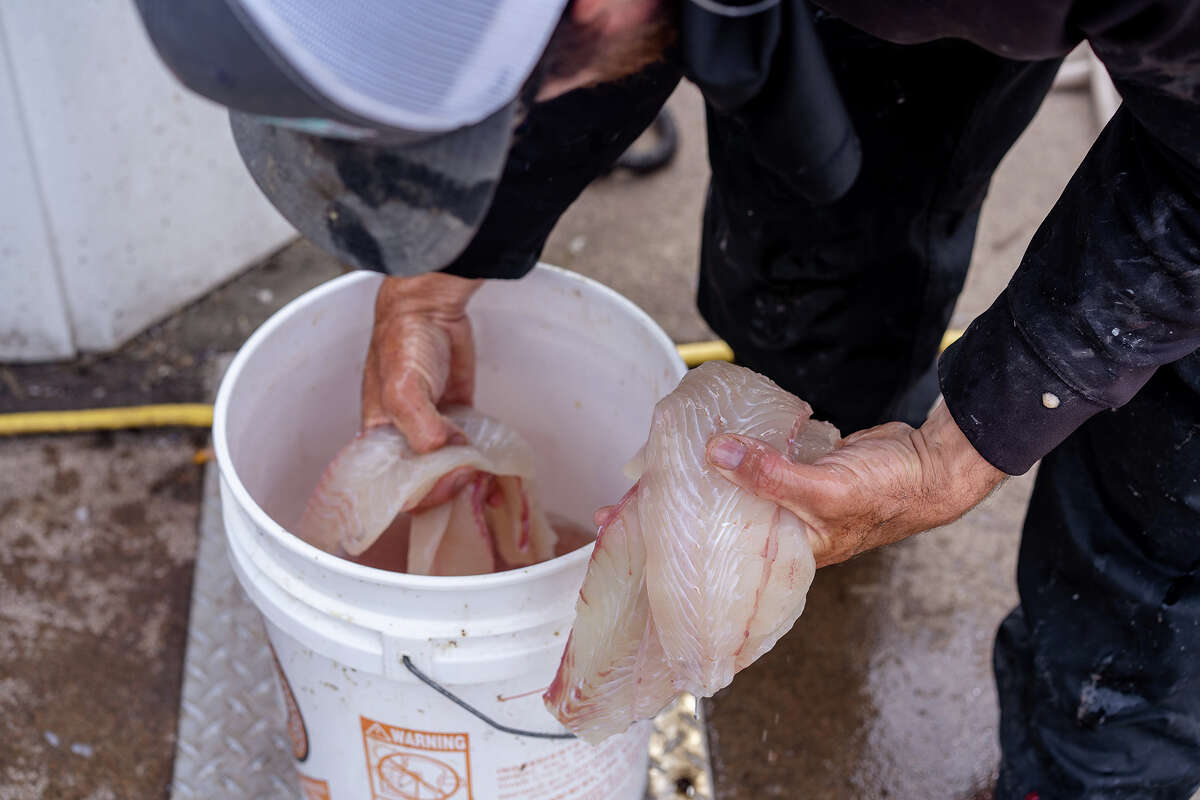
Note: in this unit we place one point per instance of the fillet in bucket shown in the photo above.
(692, 579)
(495, 522)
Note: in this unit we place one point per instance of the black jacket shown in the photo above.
(1109, 289)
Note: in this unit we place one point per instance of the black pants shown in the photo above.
(845, 304)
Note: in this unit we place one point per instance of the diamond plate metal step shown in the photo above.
(231, 740)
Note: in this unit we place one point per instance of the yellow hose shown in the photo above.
(951, 336)
(194, 415)
(697, 353)
(200, 415)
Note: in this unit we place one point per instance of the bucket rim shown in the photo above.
(342, 566)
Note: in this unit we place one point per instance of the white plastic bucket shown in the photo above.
(577, 369)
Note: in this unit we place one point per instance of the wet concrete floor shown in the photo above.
(882, 690)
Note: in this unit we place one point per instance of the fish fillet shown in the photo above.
(621, 674)
(725, 573)
(495, 522)
(466, 546)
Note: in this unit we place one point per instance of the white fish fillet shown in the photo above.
(377, 476)
(466, 546)
(621, 674)
(725, 574)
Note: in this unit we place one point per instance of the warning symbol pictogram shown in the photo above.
(405, 764)
(418, 777)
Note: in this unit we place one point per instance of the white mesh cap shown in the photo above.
(419, 65)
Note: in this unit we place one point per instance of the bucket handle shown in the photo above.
(465, 706)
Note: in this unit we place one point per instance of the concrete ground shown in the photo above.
(882, 690)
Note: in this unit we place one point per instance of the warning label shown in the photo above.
(313, 789)
(416, 765)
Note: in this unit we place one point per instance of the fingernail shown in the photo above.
(727, 453)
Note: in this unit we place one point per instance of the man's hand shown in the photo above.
(879, 486)
(421, 355)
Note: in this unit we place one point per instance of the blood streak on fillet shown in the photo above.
(769, 554)
(524, 541)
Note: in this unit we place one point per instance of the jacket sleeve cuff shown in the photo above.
(477, 262)
(1011, 406)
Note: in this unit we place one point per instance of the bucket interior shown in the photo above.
(573, 366)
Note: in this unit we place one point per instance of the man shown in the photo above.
(1087, 360)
